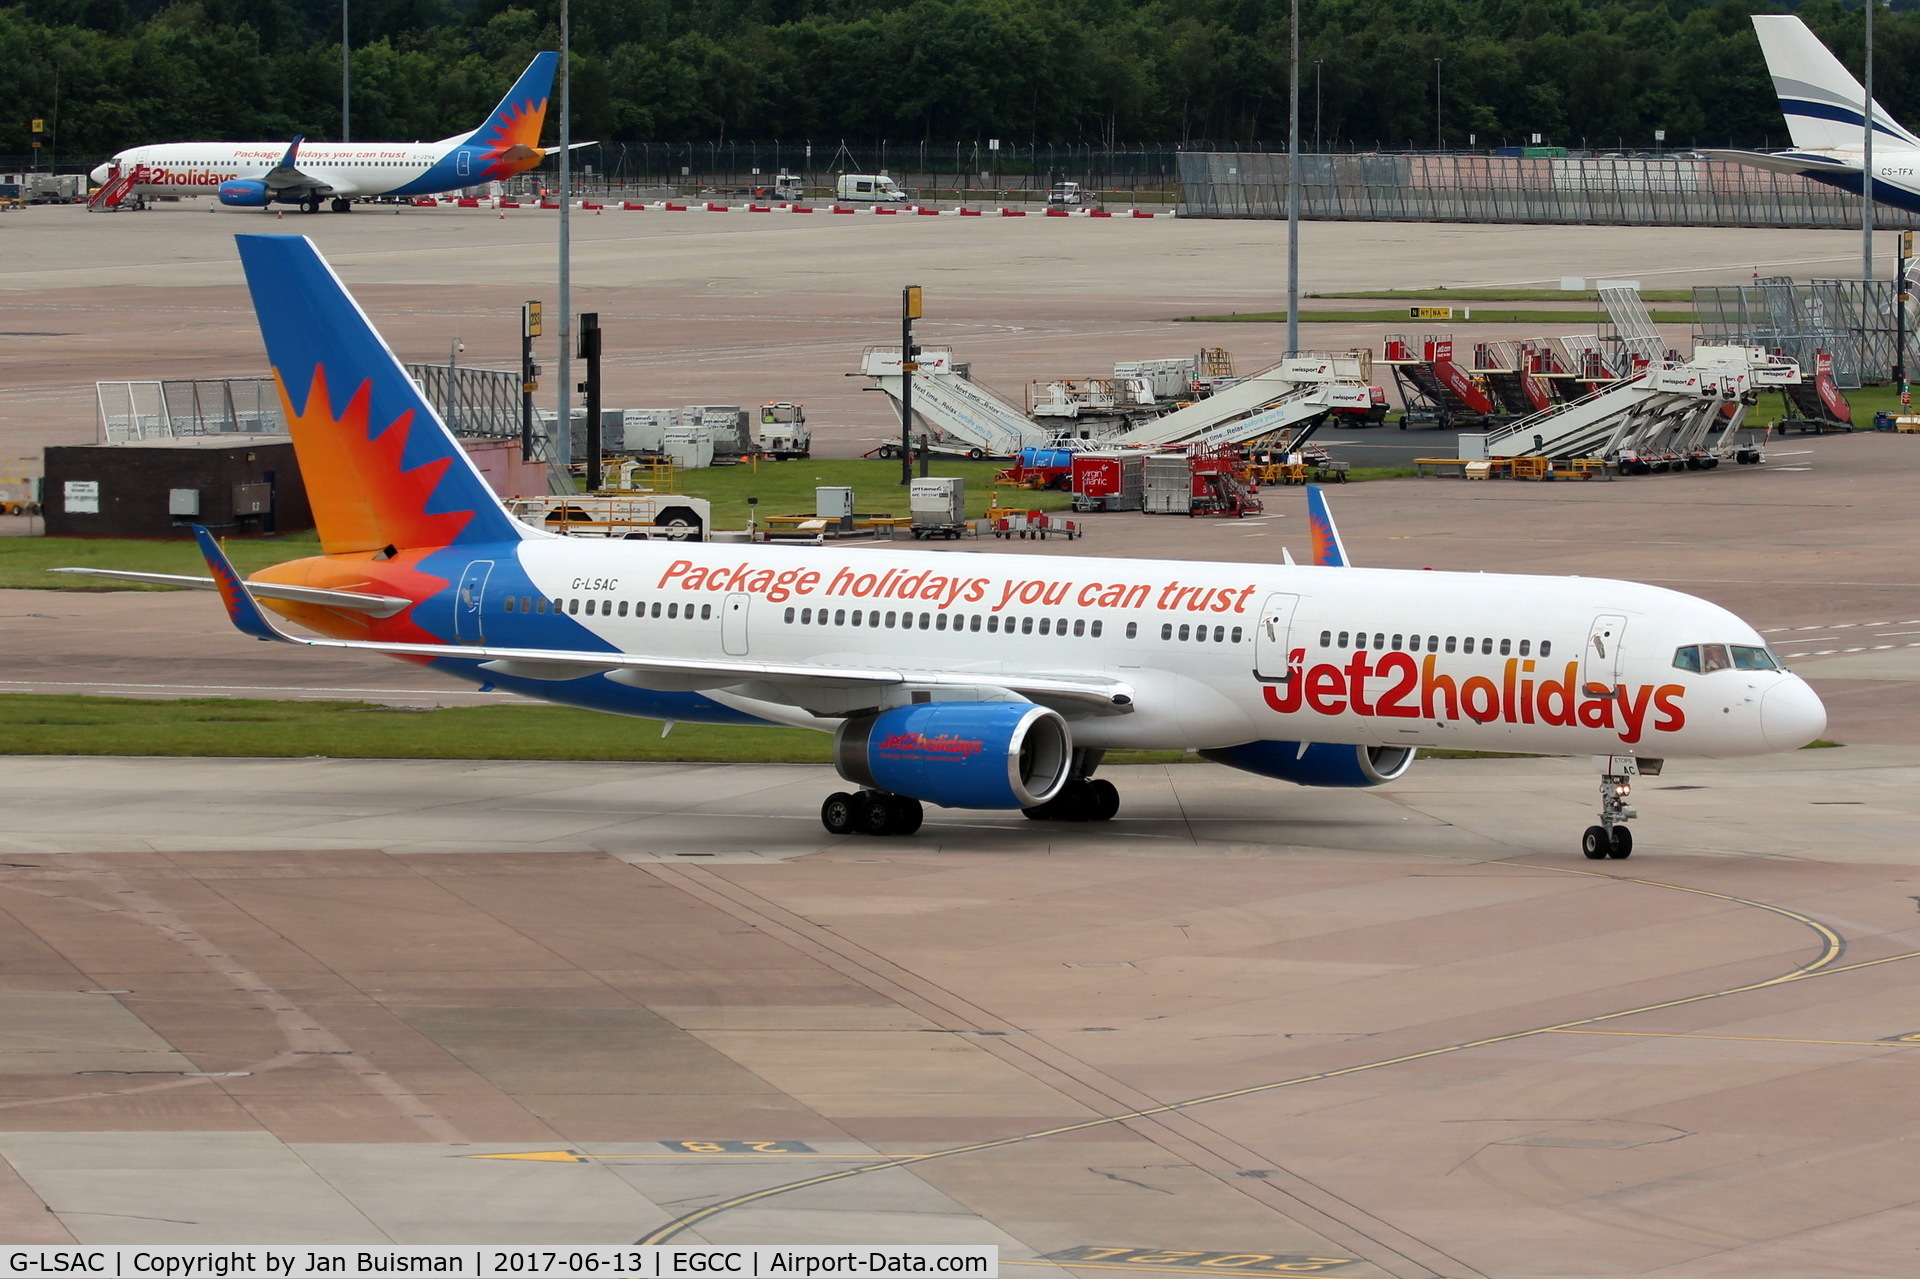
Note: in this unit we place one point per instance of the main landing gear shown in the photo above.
(1084, 799)
(871, 812)
(1611, 838)
(340, 205)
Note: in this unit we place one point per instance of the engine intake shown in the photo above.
(959, 754)
(1317, 763)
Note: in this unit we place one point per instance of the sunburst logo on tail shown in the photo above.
(512, 138)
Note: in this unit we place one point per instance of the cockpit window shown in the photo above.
(1747, 657)
(1713, 657)
(1687, 658)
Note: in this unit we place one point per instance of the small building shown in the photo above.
(235, 485)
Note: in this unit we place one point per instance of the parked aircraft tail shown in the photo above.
(1328, 550)
(509, 141)
(383, 473)
(1819, 96)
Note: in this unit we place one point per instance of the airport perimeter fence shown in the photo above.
(1665, 191)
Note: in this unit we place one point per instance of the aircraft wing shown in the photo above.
(352, 601)
(286, 175)
(1785, 161)
(797, 683)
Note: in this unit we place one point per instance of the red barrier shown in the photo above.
(1138, 214)
(837, 209)
(425, 202)
(633, 206)
(925, 212)
(509, 204)
(799, 208)
(589, 204)
(715, 208)
(1013, 213)
(1098, 213)
(888, 212)
(677, 208)
(969, 213)
(1056, 213)
(759, 208)
(467, 202)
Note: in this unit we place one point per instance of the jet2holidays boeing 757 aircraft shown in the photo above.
(969, 681)
(1825, 110)
(257, 175)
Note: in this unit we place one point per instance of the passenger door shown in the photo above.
(1600, 665)
(733, 624)
(469, 605)
(1271, 637)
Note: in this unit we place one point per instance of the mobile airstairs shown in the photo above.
(1661, 416)
(1290, 394)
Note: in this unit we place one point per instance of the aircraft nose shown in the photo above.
(1791, 715)
(99, 174)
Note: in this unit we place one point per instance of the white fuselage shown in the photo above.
(1217, 654)
(358, 169)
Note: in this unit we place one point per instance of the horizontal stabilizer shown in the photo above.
(1796, 162)
(352, 601)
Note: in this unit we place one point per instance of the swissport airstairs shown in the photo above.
(1661, 414)
(1292, 393)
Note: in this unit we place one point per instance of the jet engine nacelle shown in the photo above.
(959, 754)
(1317, 763)
(244, 193)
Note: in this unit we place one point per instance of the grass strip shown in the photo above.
(786, 488)
(24, 561)
(49, 724)
(1479, 316)
(1504, 295)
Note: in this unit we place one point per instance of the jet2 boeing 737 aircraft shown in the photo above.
(256, 175)
(970, 681)
(1824, 106)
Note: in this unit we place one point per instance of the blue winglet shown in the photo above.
(293, 152)
(1328, 550)
(241, 608)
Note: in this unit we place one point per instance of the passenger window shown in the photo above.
(1713, 657)
(790, 615)
(1546, 647)
(573, 607)
(1433, 643)
(1096, 628)
(1326, 639)
(1236, 635)
(856, 617)
(1450, 638)
(1506, 647)
(1166, 630)
(1133, 630)
(706, 611)
(806, 616)
(589, 608)
(839, 616)
(1486, 646)
(873, 618)
(1524, 646)
(606, 608)
(1379, 640)
(541, 607)
(924, 621)
(1045, 623)
(1199, 634)
(1079, 627)
(1219, 634)
(973, 622)
(1687, 658)
(993, 623)
(673, 610)
(656, 608)
(623, 608)
(1748, 658)
(889, 621)
(507, 604)
(1343, 639)
(1183, 631)
(1396, 642)
(1026, 626)
(941, 623)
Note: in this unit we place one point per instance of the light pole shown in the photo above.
(346, 74)
(1293, 185)
(1317, 64)
(563, 429)
(1866, 171)
(1437, 146)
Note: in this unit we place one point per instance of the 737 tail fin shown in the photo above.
(1328, 550)
(509, 141)
(382, 472)
(1818, 95)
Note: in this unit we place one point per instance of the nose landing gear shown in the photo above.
(1611, 838)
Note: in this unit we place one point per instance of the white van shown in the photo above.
(872, 187)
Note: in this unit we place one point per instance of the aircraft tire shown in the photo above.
(907, 814)
(1596, 844)
(836, 813)
(1103, 800)
(1622, 844)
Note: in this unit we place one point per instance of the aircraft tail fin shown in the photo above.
(1819, 96)
(1328, 550)
(508, 141)
(382, 471)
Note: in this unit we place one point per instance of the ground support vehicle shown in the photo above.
(1034, 524)
(670, 516)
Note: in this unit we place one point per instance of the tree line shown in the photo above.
(1606, 74)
